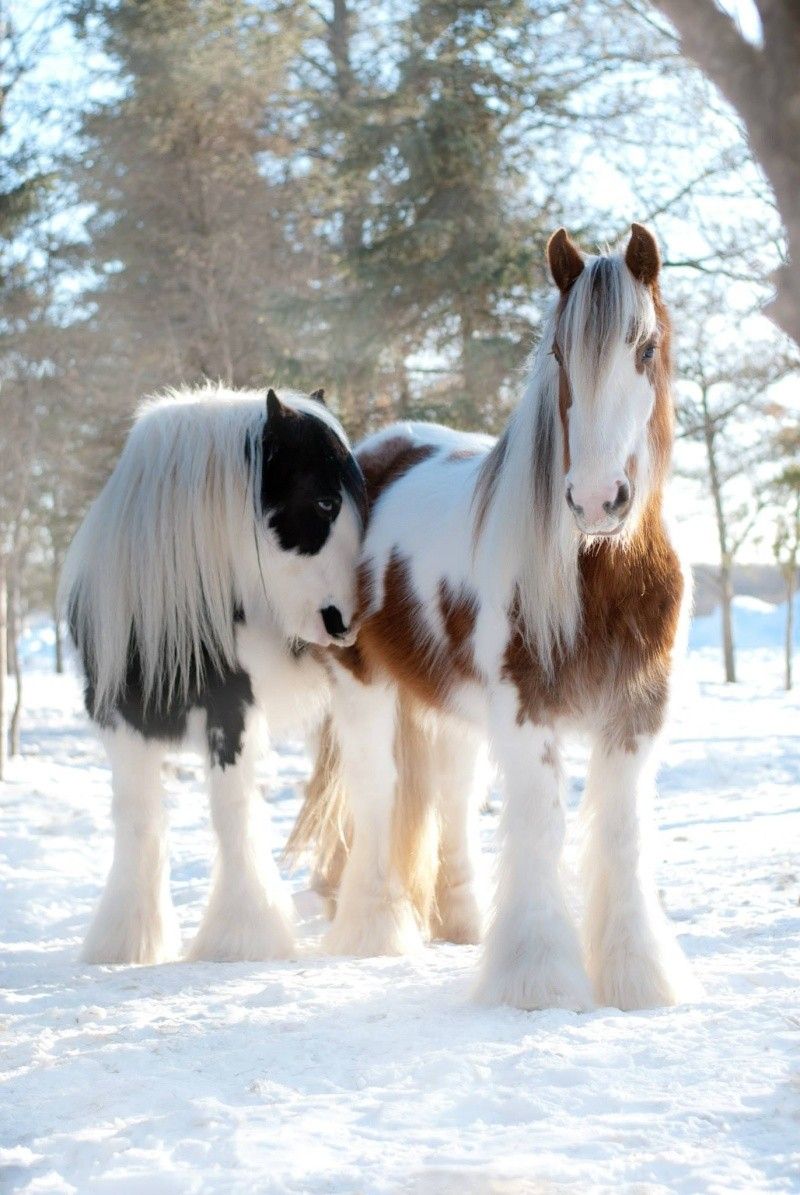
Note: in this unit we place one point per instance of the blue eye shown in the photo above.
(649, 352)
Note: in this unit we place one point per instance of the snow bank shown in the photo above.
(756, 624)
(341, 1075)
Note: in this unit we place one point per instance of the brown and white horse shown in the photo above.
(512, 592)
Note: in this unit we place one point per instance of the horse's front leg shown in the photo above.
(374, 915)
(249, 914)
(135, 921)
(532, 957)
(633, 958)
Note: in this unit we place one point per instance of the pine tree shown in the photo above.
(187, 233)
(454, 260)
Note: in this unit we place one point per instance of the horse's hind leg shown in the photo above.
(249, 912)
(633, 958)
(462, 778)
(135, 921)
(374, 915)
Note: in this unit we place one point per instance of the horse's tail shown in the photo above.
(324, 829)
(322, 826)
(415, 831)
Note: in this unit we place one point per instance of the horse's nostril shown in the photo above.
(332, 620)
(620, 502)
(578, 510)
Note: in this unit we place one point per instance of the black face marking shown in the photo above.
(306, 470)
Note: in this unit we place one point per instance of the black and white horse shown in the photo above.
(224, 542)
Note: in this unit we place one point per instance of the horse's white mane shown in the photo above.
(521, 510)
(162, 549)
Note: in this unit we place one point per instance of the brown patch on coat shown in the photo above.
(352, 658)
(388, 461)
(398, 639)
(459, 611)
(621, 661)
(464, 454)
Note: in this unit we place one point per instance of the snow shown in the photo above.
(756, 624)
(341, 1075)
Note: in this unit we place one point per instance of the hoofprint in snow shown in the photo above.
(338, 1075)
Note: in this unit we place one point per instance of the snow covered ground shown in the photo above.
(335, 1075)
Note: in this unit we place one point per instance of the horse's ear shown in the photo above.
(274, 407)
(642, 256)
(565, 260)
(319, 396)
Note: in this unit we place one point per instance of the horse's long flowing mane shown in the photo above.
(155, 567)
(519, 503)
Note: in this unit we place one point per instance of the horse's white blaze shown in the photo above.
(606, 430)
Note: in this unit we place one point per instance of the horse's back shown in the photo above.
(389, 455)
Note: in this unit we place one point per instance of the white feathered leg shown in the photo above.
(373, 913)
(462, 780)
(135, 921)
(532, 958)
(634, 960)
(249, 914)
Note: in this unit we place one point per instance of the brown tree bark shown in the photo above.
(790, 575)
(763, 85)
(14, 661)
(3, 665)
(725, 554)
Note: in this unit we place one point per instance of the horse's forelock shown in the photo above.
(605, 309)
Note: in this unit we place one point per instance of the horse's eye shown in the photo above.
(649, 352)
(326, 505)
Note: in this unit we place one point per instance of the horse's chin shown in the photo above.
(298, 645)
(597, 533)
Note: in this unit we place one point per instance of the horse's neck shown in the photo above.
(617, 575)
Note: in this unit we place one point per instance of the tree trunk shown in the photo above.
(3, 642)
(728, 650)
(791, 584)
(726, 558)
(15, 664)
(12, 628)
(14, 731)
(763, 86)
